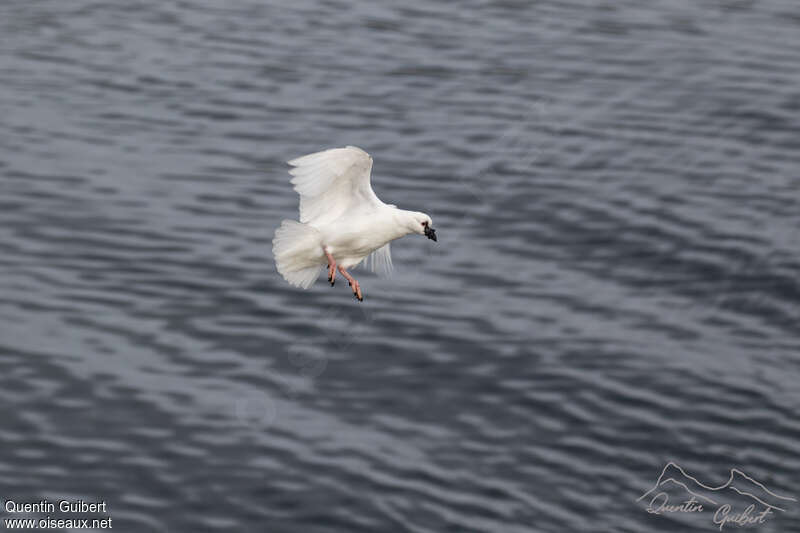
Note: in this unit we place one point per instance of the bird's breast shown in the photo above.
(350, 243)
(360, 234)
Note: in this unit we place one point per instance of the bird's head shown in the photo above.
(423, 225)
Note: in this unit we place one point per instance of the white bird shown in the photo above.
(342, 221)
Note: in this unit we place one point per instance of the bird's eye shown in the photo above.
(424, 223)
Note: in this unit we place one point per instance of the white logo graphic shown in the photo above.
(740, 501)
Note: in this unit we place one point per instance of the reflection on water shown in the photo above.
(616, 189)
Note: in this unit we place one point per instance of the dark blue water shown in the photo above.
(616, 191)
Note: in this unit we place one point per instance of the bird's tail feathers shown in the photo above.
(297, 249)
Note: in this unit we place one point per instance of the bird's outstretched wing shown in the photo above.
(380, 261)
(333, 182)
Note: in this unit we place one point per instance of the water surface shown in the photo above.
(615, 188)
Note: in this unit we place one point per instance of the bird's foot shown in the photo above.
(332, 274)
(353, 284)
(331, 267)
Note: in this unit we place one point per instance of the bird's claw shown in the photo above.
(353, 284)
(331, 274)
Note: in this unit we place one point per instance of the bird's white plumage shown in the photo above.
(380, 261)
(332, 183)
(339, 212)
(297, 253)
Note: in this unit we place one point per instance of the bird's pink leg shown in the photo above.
(353, 283)
(331, 267)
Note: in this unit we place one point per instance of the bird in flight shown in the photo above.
(342, 221)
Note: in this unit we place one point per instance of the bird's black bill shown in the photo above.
(430, 233)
